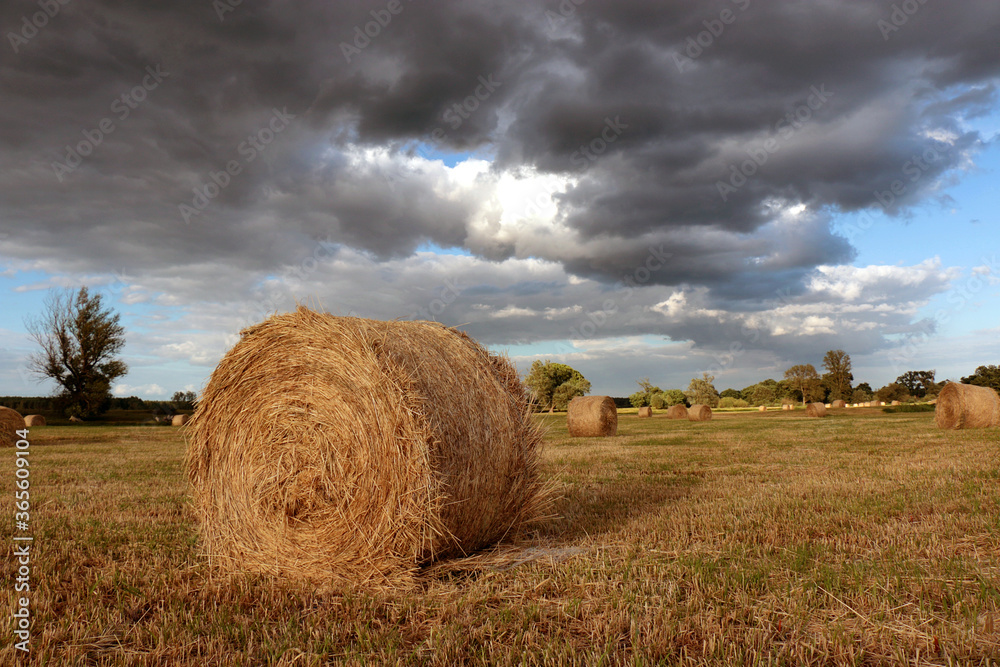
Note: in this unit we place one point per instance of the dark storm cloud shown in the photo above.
(649, 106)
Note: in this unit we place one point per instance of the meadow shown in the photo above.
(755, 538)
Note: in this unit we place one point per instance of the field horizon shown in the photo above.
(755, 538)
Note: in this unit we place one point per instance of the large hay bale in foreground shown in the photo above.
(592, 416)
(11, 421)
(646, 412)
(678, 411)
(816, 410)
(180, 420)
(34, 420)
(967, 406)
(838, 404)
(350, 451)
(699, 413)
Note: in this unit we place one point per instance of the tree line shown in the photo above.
(553, 385)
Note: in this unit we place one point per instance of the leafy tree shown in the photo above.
(985, 376)
(762, 393)
(80, 341)
(860, 395)
(184, 400)
(673, 397)
(893, 392)
(867, 389)
(545, 378)
(804, 379)
(701, 390)
(657, 401)
(838, 377)
(918, 383)
(730, 393)
(644, 396)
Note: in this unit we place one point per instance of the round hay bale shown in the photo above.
(592, 416)
(678, 411)
(76, 420)
(11, 422)
(34, 420)
(699, 413)
(348, 451)
(762, 408)
(180, 420)
(896, 403)
(838, 404)
(967, 406)
(646, 412)
(816, 410)
(786, 406)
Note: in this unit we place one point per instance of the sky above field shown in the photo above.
(637, 189)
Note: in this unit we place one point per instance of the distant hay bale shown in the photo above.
(646, 412)
(967, 406)
(34, 420)
(699, 413)
(592, 416)
(678, 411)
(896, 403)
(348, 451)
(786, 406)
(180, 420)
(76, 420)
(762, 408)
(11, 421)
(816, 410)
(838, 404)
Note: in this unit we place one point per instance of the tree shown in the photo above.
(547, 378)
(762, 393)
(80, 341)
(862, 394)
(805, 379)
(985, 376)
(730, 393)
(644, 396)
(701, 390)
(838, 376)
(892, 392)
(918, 383)
(673, 397)
(184, 400)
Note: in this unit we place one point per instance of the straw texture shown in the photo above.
(592, 416)
(351, 451)
(10, 422)
(699, 413)
(967, 406)
(678, 411)
(816, 410)
(646, 412)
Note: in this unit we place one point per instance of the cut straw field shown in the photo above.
(861, 538)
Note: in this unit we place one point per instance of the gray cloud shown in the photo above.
(637, 129)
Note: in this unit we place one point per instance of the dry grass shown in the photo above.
(346, 450)
(756, 538)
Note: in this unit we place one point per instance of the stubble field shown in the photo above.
(756, 538)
